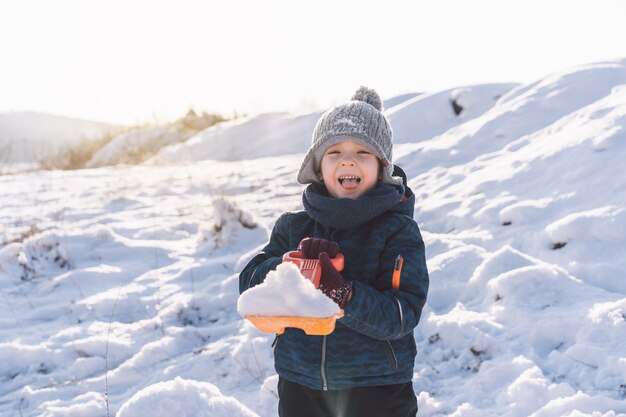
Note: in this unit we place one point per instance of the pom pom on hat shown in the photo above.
(369, 96)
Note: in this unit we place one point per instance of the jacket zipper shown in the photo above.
(325, 341)
(323, 365)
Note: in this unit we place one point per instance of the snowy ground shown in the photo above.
(522, 207)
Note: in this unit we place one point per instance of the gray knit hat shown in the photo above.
(360, 120)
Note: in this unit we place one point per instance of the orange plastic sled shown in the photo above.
(314, 326)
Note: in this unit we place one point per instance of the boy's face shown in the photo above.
(349, 169)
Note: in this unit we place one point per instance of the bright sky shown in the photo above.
(128, 61)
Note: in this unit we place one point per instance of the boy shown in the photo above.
(354, 204)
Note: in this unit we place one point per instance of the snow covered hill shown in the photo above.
(413, 117)
(124, 279)
(29, 137)
(137, 145)
(429, 115)
(264, 135)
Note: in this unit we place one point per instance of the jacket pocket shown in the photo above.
(393, 360)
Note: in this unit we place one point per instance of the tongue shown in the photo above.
(349, 184)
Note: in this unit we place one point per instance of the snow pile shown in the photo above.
(526, 331)
(524, 110)
(286, 292)
(183, 398)
(558, 188)
(37, 256)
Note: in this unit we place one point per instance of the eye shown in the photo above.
(364, 152)
(332, 152)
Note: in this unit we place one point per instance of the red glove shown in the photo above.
(311, 247)
(332, 283)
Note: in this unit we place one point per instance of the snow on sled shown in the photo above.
(289, 298)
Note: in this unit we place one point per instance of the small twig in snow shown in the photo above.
(582, 363)
(106, 355)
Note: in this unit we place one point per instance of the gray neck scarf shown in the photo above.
(345, 213)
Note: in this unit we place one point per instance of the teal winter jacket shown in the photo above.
(373, 343)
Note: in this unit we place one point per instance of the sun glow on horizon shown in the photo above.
(128, 62)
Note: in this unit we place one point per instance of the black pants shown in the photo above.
(379, 401)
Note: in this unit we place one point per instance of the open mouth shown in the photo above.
(349, 180)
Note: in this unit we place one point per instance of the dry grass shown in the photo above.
(78, 156)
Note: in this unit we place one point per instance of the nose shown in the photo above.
(347, 160)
